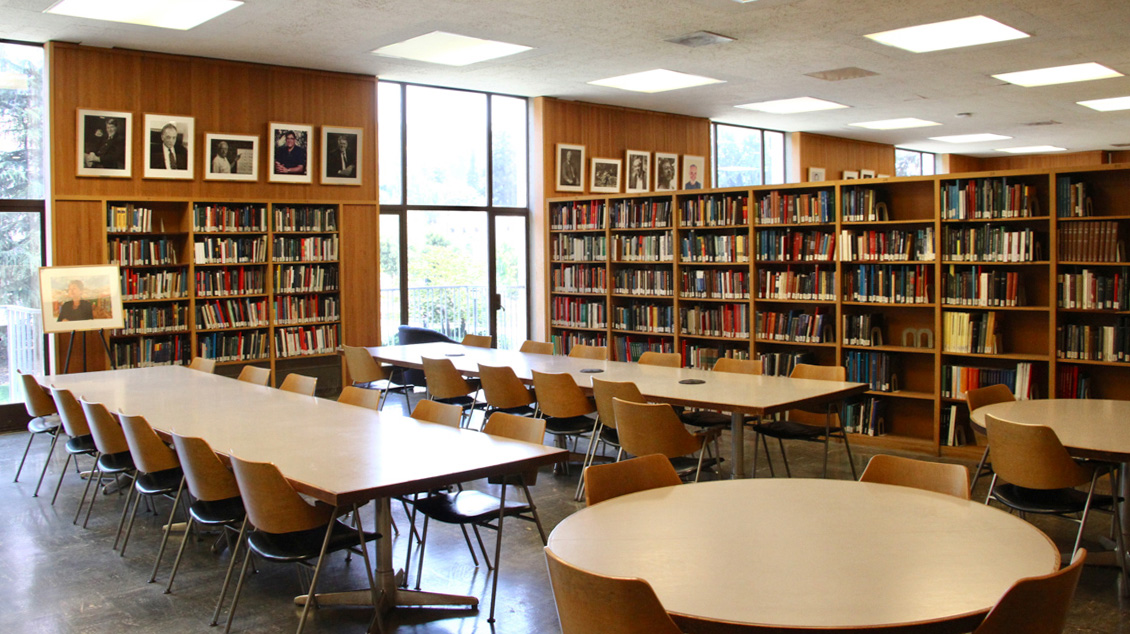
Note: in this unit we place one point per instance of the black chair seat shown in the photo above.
(568, 426)
(788, 430)
(1051, 501)
(303, 545)
(462, 401)
(43, 424)
(81, 445)
(120, 462)
(160, 482)
(686, 465)
(610, 436)
(227, 511)
(521, 410)
(701, 418)
(467, 507)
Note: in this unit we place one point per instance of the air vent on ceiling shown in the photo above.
(840, 74)
(700, 38)
(1040, 123)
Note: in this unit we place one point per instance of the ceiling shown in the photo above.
(777, 43)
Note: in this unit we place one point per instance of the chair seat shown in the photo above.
(81, 445)
(568, 426)
(303, 545)
(686, 465)
(467, 507)
(788, 430)
(1058, 501)
(521, 410)
(702, 418)
(226, 511)
(465, 402)
(610, 436)
(41, 424)
(160, 482)
(116, 462)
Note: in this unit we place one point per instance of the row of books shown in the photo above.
(312, 248)
(777, 208)
(644, 318)
(983, 286)
(629, 347)
(726, 320)
(147, 284)
(863, 330)
(696, 355)
(644, 281)
(951, 431)
(876, 369)
(892, 245)
(889, 283)
(862, 204)
(1071, 381)
(578, 215)
(303, 341)
(142, 251)
(234, 345)
(714, 284)
(235, 280)
(712, 247)
(1071, 199)
(657, 247)
(865, 417)
(304, 309)
(129, 218)
(989, 243)
(580, 278)
(1092, 289)
(985, 198)
(305, 218)
(795, 325)
(638, 213)
(1023, 380)
(782, 363)
(714, 211)
(564, 342)
(229, 218)
(150, 351)
(972, 333)
(577, 312)
(154, 319)
(817, 284)
(1089, 342)
(775, 245)
(217, 250)
(578, 248)
(306, 278)
(1091, 242)
(231, 313)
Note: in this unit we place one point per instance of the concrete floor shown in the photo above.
(60, 578)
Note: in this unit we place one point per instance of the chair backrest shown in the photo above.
(299, 384)
(583, 351)
(514, 427)
(203, 365)
(951, 479)
(444, 381)
(816, 415)
(588, 602)
(150, 453)
(665, 359)
(536, 347)
(362, 367)
(442, 413)
(982, 396)
(1036, 605)
(70, 412)
(1031, 456)
(207, 478)
(502, 388)
(738, 366)
(106, 430)
(36, 400)
(414, 334)
(647, 428)
(359, 396)
(604, 391)
(559, 396)
(606, 481)
(255, 374)
(476, 341)
(273, 506)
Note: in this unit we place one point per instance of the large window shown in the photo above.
(913, 163)
(748, 156)
(454, 212)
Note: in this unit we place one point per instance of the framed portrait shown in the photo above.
(605, 176)
(570, 168)
(341, 156)
(168, 146)
(694, 172)
(105, 143)
(816, 174)
(867, 173)
(77, 298)
(639, 171)
(666, 172)
(289, 160)
(231, 157)
(850, 175)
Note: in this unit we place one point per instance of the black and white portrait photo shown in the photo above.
(606, 175)
(638, 171)
(341, 156)
(290, 152)
(666, 172)
(231, 157)
(570, 168)
(104, 147)
(168, 147)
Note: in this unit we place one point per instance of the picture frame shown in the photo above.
(882, 176)
(289, 161)
(605, 176)
(104, 140)
(694, 172)
(570, 167)
(341, 155)
(231, 157)
(168, 141)
(850, 175)
(81, 298)
(666, 172)
(637, 177)
(867, 173)
(816, 174)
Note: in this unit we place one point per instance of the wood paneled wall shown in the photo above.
(957, 163)
(836, 155)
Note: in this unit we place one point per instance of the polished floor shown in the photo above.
(60, 578)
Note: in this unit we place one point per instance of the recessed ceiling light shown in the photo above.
(970, 138)
(1107, 105)
(938, 36)
(451, 49)
(1059, 75)
(166, 14)
(895, 124)
(1032, 149)
(792, 106)
(657, 80)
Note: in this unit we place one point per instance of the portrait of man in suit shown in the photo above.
(104, 143)
(108, 148)
(168, 153)
(341, 161)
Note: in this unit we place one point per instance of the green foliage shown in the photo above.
(21, 124)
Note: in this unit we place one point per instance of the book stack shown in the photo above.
(983, 286)
(775, 245)
(231, 218)
(641, 213)
(629, 348)
(563, 343)
(726, 320)
(971, 333)
(578, 312)
(579, 248)
(782, 363)
(817, 283)
(873, 368)
(644, 318)
(866, 417)
(857, 329)
(1088, 342)
(714, 284)
(889, 283)
(714, 211)
(128, 219)
(895, 245)
(1092, 289)
(1097, 241)
(1071, 382)
(580, 278)
(795, 325)
(643, 248)
(777, 208)
(644, 281)
(714, 247)
(1071, 199)
(958, 379)
(578, 215)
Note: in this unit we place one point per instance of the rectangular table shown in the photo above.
(740, 394)
(339, 454)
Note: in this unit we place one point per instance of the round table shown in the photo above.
(1089, 428)
(775, 554)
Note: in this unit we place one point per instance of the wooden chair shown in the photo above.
(980, 397)
(158, 474)
(203, 365)
(536, 347)
(436, 412)
(604, 427)
(588, 602)
(113, 456)
(706, 418)
(299, 384)
(737, 366)
(807, 425)
(44, 420)
(647, 428)
(564, 407)
(606, 481)
(289, 530)
(663, 359)
(951, 479)
(364, 371)
(351, 395)
(478, 509)
(476, 341)
(446, 385)
(81, 442)
(255, 374)
(503, 391)
(582, 351)
(1036, 605)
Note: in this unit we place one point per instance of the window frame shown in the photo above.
(714, 125)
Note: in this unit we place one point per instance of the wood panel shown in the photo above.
(361, 275)
(959, 163)
(836, 155)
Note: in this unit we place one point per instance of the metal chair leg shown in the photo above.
(46, 462)
(168, 529)
(62, 473)
(180, 553)
(133, 516)
(980, 469)
(785, 458)
(94, 474)
(311, 596)
(497, 553)
(30, 437)
(227, 576)
(238, 589)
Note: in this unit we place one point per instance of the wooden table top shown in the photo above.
(337, 453)
(747, 394)
(1089, 428)
(774, 554)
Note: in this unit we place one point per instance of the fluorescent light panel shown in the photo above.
(792, 106)
(657, 80)
(1059, 75)
(895, 124)
(451, 49)
(971, 31)
(970, 138)
(166, 14)
(1032, 149)
(1107, 105)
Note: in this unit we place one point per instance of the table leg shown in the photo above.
(737, 448)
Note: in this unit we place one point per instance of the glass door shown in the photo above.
(21, 328)
(448, 272)
(511, 296)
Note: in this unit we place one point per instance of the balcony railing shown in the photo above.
(24, 349)
(456, 311)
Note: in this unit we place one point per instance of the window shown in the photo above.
(913, 163)
(748, 156)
